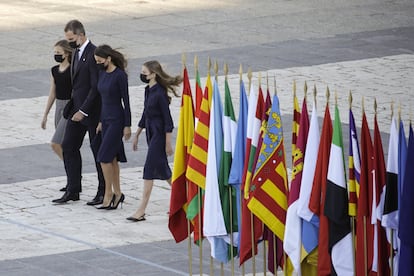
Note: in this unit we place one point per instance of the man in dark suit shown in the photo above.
(83, 115)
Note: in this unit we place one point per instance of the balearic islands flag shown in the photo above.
(177, 222)
(354, 164)
(336, 206)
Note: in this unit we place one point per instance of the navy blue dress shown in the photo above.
(115, 114)
(157, 121)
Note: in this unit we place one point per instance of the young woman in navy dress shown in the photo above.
(158, 124)
(115, 121)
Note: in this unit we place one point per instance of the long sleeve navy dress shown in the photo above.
(156, 119)
(115, 114)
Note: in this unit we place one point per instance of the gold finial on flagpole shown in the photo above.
(350, 99)
(294, 88)
(209, 65)
(226, 70)
(249, 76)
(375, 106)
(328, 94)
(305, 90)
(260, 79)
(241, 73)
(314, 94)
(195, 64)
(183, 59)
(267, 80)
(336, 98)
(363, 104)
(392, 108)
(216, 69)
(274, 84)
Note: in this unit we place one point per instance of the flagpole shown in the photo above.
(200, 237)
(249, 75)
(352, 217)
(273, 234)
(226, 71)
(240, 203)
(190, 254)
(391, 229)
(211, 258)
(365, 218)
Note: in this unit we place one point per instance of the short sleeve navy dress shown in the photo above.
(115, 114)
(157, 121)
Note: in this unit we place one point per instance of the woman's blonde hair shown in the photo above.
(169, 83)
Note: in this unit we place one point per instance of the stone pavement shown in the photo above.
(364, 47)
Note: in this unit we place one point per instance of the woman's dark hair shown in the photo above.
(64, 44)
(168, 82)
(118, 59)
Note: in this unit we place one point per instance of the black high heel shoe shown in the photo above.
(109, 206)
(121, 200)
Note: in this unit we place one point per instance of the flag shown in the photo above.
(295, 122)
(177, 222)
(253, 129)
(354, 166)
(227, 192)
(292, 242)
(214, 227)
(317, 198)
(196, 171)
(310, 222)
(197, 162)
(269, 188)
(336, 206)
(381, 247)
(402, 157)
(236, 171)
(390, 210)
(406, 224)
(198, 94)
(364, 229)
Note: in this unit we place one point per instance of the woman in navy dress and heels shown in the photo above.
(115, 121)
(157, 121)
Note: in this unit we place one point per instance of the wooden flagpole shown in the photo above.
(352, 217)
(241, 194)
(392, 230)
(273, 234)
(365, 217)
(226, 71)
(190, 254)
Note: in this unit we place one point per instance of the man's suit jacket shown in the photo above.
(85, 94)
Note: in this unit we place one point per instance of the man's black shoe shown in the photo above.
(96, 201)
(66, 197)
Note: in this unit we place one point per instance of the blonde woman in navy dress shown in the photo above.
(157, 121)
(60, 92)
(115, 121)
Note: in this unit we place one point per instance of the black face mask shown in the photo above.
(144, 78)
(73, 44)
(102, 66)
(59, 58)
